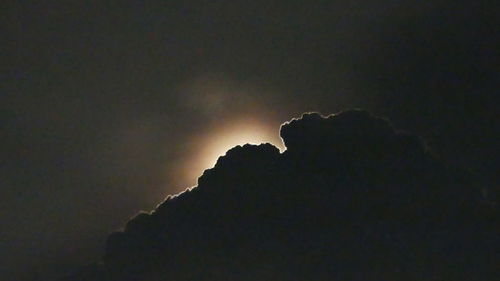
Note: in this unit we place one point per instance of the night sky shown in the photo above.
(109, 106)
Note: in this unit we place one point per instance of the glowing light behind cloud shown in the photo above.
(228, 138)
(219, 140)
(226, 112)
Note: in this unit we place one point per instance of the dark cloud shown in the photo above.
(350, 199)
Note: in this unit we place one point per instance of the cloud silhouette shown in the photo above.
(351, 198)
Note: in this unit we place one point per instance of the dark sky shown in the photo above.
(107, 107)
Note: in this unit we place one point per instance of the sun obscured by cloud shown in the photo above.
(239, 134)
(225, 112)
(206, 148)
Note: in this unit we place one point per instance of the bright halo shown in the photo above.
(219, 141)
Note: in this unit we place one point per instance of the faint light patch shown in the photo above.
(213, 94)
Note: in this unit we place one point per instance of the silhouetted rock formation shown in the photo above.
(350, 199)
